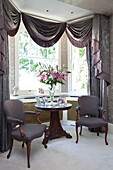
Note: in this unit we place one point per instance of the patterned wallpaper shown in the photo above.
(110, 87)
(11, 63)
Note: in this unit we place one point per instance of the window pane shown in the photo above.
(23, 65)
(30, 54)
(23, 43)
(43, 53)
(79, 70)
(52, 53)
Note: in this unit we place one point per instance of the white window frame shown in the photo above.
(29, 92)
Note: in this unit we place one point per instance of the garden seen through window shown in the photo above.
(30, 54)
(79, 71)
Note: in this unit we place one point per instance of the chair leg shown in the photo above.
(23, 145)
(97, 132)
(45, 139)
(28, 143)
(80, 130)
(77, 132)
(10, 149)
(106, 132)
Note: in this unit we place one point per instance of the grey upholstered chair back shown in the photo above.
(14, 109)
(88, 105)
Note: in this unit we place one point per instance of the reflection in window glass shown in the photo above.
(30, 54)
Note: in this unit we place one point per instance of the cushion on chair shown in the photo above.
(91, 122)
(31, 131)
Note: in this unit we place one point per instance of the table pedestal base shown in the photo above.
(55, 129)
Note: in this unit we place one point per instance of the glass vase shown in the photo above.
(51, 93)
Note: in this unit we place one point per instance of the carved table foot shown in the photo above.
(55, 129)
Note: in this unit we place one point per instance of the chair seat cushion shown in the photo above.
(31, 131)
(91, 122)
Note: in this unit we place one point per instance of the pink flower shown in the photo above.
(43, 76)
(60, 77)
(53, 74)
(37, 71)
(64, 75)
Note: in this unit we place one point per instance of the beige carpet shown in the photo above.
(90, 153)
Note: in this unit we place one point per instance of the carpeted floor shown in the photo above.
(90, 153)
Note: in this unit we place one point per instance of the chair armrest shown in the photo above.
(33, 113)
(29, 112)
(77, 110)
(100, 108)
(14, 120)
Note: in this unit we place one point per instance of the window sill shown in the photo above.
(31, 98)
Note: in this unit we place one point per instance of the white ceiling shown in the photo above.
(64, 10)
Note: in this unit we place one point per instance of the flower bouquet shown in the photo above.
(50, 76)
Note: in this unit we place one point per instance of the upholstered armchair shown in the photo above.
(20, 131)
(88, 115)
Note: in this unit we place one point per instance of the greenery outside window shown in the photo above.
(29, 56)
(79, 71)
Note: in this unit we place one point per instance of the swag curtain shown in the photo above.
(44, 33)
(79, 33)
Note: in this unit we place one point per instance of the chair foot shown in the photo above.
(80, 131)
(45, 140)
(77, 133)
(23, 145)
(106, 132)
(76, 141)
(10, 149)
(97, 134)
(106, 143)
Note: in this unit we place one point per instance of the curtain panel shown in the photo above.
(99, 42)
(9, 24)
(44, 33)
(79, 33)
(9, 21)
